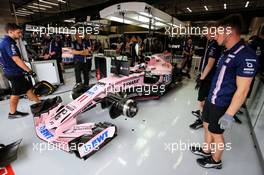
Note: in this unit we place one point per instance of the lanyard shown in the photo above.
(205, 55)
(50, 48)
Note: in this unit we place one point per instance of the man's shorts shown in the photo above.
(19, 84)
(211, 115)
(204, 90)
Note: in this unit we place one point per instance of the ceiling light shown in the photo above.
(47, 2)
(224, 5)
(146, 26)
(113, 18)
(24, 14)
(23, 11)
(138, 18)
(62, 1)
(206, 8)
(71, 20)
(34, 7)
(247, 4)
(189, 9)
(159, 24)
(41, 5)
(21, 15)
(145, 14)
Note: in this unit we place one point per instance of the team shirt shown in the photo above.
(241, 61)
(8, 49)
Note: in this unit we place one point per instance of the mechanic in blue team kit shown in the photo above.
(54, 51)
(235, 70)
(188, 52)
(15, 69)
(82, 59)
(207, 67)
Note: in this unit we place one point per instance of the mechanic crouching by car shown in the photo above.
(82, 60)
(15, 69)
(235, 71)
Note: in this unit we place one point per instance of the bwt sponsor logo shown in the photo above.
(94, 144)
(45, 132)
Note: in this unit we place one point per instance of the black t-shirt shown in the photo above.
(188, 48)
(212, 51)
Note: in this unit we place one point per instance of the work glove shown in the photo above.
(226, 121)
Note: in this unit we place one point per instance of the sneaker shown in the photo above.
(240, 112)
(237, 120)
(17, 114)
(199, 151)
(197, 124)
(196, 113)
(209, 162)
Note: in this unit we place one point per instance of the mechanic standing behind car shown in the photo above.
(82, 65)
(14, 69)
(208, 67)
(90, 46)
(235, 70)
(54, 51)
(188, 52)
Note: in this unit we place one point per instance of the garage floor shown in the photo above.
(142, 145)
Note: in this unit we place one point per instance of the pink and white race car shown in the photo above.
(57, 124)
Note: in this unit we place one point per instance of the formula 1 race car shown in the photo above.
(57, 124)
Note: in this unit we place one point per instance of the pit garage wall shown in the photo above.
(2, 31)
(255, 111)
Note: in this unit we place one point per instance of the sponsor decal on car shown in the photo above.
(95, 142)
(45, 132)
(131, 82)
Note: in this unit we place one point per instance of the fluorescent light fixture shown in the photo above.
(71, 20)
(113, 18)
(21, 15)
(62, 1)
(247, 4)
(34, 7)
(189, 9)
(139, 18)
(156, 18)
(23, 11)
(147, 26)
(224, 5)
(150, 16)
(143, 19)
(47, 2)
(18, 13)
(144, 26)
(41, 5)
(206, 8)
(145, 14)
(159, 24)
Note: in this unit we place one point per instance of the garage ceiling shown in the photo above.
(185, 10)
